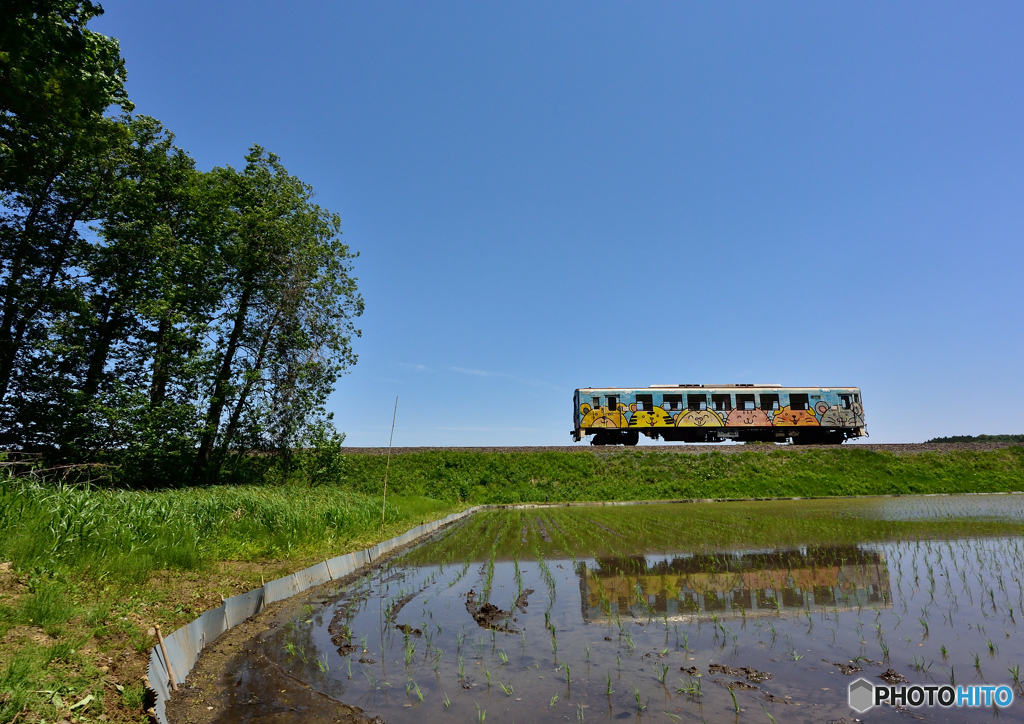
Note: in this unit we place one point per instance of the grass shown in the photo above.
(516, 477)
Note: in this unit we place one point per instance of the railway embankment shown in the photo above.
(86, 574)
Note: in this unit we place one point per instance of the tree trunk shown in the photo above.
(158, 385)
(236, 413)
(201, 472)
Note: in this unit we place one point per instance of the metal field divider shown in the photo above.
(184, 645)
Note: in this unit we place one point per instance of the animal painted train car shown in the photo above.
(715, 413)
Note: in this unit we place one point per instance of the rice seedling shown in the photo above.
(691, 687)
(640, 706)
(507, 689)
(553, 701)
(322, 664)
(447, 701)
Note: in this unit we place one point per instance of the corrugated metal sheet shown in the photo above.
(185, 644)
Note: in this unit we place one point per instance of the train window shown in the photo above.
(644, 402)
(844, 401)
(613, 402)
(672, 402)
(595, 402)
(721, 403)
(798, 401)
(697, 402)
(856, 397)
(744, 402)
(769, 402)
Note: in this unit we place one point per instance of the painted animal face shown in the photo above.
(747, 418)
(602, 416)
(698, 418)
(655, 417)
(788, 417)
(834, 416)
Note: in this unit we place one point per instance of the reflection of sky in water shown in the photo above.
(649, 592)
(1008, 507)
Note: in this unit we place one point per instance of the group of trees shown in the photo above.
(151, 313)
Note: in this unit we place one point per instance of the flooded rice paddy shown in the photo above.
(720, 612)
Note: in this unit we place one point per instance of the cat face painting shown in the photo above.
(788, 417)
(747, 418)
(602, 416)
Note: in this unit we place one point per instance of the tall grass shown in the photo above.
(127, 534)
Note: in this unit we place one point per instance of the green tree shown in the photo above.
(289, 303)
(57, 157)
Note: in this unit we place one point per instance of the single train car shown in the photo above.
(716, 413)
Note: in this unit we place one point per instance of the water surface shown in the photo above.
(716, 612)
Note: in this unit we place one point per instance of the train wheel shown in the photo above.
(631, 438)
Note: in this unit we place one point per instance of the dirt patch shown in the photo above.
(521, 602)
(745, 671)
(543, 531)
(489, 616)
(848, 669)
(891, 676)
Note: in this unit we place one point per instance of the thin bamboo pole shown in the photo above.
(387, 467)
(163, 650)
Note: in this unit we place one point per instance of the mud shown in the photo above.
(746, 671)
(488, 615)
(892, 677)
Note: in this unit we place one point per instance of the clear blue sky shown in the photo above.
(552, 195)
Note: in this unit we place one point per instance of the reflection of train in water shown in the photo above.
(714, 413)
(685, 586)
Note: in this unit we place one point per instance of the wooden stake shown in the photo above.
(227, 621)
(387, 466)
(262, 582)
(328, 569)
(163, 650)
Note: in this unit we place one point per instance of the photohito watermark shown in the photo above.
(864, 695)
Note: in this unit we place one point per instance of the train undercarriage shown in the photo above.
(795, 436)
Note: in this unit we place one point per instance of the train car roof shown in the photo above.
(725, 387)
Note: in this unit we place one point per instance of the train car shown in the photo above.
(715, 413)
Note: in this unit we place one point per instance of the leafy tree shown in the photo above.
(289, 304)
(57, 150)
(150, 313)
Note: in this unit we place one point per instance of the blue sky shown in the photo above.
(553, 195)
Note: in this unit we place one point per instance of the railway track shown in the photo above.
(696, 449)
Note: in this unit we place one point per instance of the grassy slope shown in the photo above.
(76, 600)
(641, 475)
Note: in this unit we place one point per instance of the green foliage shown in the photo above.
(180, 318)
(979, 438)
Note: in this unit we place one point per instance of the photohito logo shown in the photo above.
(863, 695)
